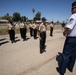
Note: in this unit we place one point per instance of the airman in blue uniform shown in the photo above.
(69, 50)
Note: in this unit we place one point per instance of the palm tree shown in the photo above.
(33, 10)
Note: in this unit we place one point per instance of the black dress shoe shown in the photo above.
(41, 51)
(69, 69)
(58, 70)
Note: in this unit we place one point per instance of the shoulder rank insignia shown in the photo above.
(71, 21)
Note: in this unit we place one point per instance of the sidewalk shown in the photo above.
(23, 58)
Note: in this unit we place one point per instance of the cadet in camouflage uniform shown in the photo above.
(31, 29)
(34, 30)
(51, 29)
(42, 35)
(11, 31)
(22, 26)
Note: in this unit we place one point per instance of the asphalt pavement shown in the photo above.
(24, 58)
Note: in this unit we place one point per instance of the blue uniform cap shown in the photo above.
(43, 18)
(74, 4)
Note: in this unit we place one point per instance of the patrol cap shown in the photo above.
(74, 4)
(43, 18)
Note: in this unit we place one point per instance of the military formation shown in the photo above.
(36, 30)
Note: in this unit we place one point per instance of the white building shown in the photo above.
(2, 21)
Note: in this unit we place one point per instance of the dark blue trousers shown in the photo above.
(42, 41)
(69, 54)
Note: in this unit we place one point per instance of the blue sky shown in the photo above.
(56, 10)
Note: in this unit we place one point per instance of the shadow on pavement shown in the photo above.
(16, 37)
(27, 38)
(59, 58)
(2, 39)
(17, 40)
(4, 42)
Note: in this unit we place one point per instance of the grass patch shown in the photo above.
(5, 31)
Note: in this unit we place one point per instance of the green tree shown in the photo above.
(16, 16)
(30, 20)
(23, 18)
(57, 22)
(7, 17)
(38, 16)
